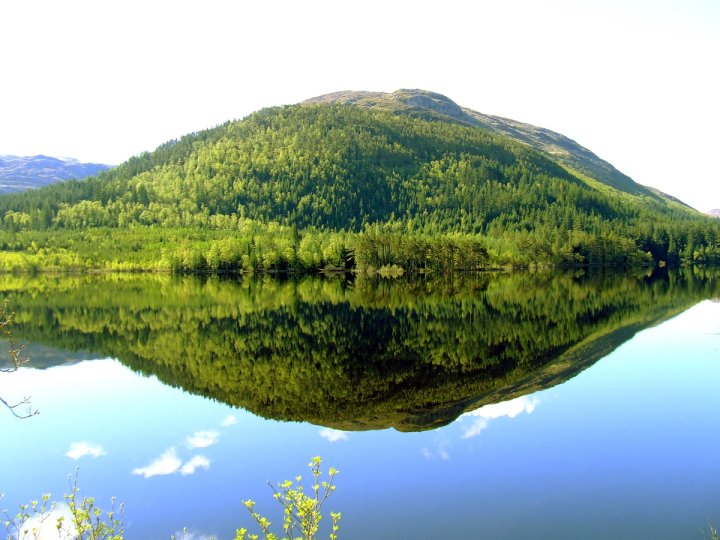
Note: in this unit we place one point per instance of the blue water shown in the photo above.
(626, 449)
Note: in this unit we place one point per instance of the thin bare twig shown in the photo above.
(17, 361)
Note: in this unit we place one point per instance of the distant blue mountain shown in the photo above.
(21, 173)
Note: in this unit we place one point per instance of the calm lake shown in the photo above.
(508, 406)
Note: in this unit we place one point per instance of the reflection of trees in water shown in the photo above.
(355, 354)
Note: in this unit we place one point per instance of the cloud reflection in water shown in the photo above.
(510, 409)
(202, 439)
(167, 463)
(83, 448)
(333, 435)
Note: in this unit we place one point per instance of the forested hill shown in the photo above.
(326, 166)
(554, 145)
(310, 185)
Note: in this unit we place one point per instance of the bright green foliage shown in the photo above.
(305, 187)
(82, 521)
(302, 514)
(302, 511)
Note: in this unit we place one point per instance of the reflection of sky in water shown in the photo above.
(83, 448)
(627, 449)
(333, 435)
(481, 417)
(45, 526)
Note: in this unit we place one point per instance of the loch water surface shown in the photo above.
(504, 406)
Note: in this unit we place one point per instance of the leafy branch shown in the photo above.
(302, 512)
(82, 520)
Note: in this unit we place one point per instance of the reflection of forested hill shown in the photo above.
(408, 354)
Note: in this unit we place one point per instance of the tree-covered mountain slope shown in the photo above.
(18, 173)
(554, 145)
(310, 185)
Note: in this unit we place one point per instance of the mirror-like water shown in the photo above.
(504, 406)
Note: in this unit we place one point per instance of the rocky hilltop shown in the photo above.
(558, 147)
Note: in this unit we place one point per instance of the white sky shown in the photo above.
(635, 81)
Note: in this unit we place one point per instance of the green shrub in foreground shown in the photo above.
(80, 519)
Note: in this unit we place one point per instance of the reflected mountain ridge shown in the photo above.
(353, 354)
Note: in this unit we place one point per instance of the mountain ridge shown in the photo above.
(554, 145)
(18, 173)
